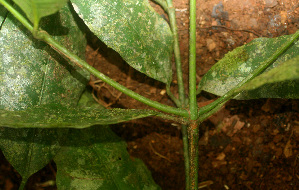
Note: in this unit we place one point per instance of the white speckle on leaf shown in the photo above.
(13, 92)
(76, 8)
(214, 74)
(244, 69)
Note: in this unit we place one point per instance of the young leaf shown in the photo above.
(29, 150)
(95, 158)
(133, 29)
(285, 78)
(36, 9)
(243, 61)
(32, 73)
(57, 116)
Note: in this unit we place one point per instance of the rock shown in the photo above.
(211, 44)
(270, 3)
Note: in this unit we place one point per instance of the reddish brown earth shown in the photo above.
(247, 145)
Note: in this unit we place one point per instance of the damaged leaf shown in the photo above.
(134, 30)
(57, 116)
(240, 63)
(31, 72)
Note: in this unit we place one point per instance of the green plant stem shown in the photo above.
(237, 89)
(177, 53)
(211, 112)
(162, 3)
(181, 90)
(186, 155)
(116, 85)
(23, 184)
(42, 35)
(193, 133)
(17, 15)
(172, 97)
(192, 62)
(193, 129)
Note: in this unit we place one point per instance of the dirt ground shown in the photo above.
(247, 145)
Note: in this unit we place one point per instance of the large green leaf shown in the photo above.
(29, 150)
(36, 9)
(31, 73)
(87, 113)
(243, 61)
(281, 81)
(95, 158)
(57, 116)
(134, 30)
(33, 77)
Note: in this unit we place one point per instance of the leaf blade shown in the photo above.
(99, 160)
(31, 72)
(134, 30)
(57, 116)
(285, 78)
(242, 62)
(36, 9)
(29, 150)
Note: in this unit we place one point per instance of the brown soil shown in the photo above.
(247, 145)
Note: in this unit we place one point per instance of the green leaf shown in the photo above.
(134, 30)
(88, 113)
(243, 61)
(57, 116)
(36, 9)
(281, 81)
(95, 158)
(3, 13)
(31, 72)
(29, 150)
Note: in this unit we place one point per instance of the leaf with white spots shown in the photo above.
(279, 82)
(57, 116)
(243, 61)
(29, 150)
(31, 72)
(96, 158)
(134, 30)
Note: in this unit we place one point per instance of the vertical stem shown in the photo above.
(23, 184)
(181, 90)
(193, 131)
(177, 53)
(192, 62)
